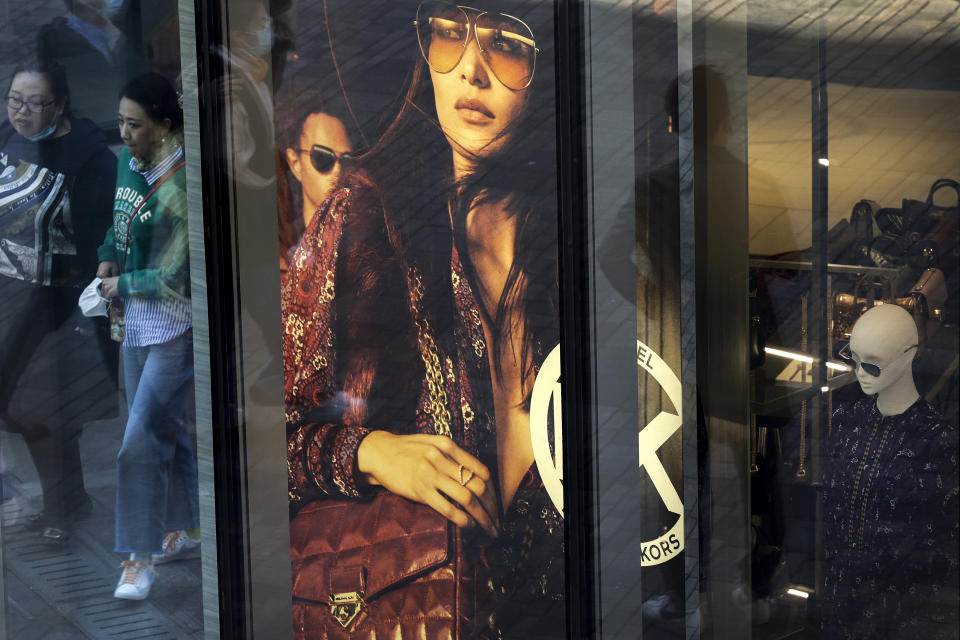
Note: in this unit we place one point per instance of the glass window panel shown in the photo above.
(99, 440)
(798, 176)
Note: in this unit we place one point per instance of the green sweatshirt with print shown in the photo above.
(155, 241)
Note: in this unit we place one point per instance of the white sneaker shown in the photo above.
(177, 545)
(135, 581)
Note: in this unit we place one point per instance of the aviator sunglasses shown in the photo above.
(868, 368)
(505, 42)
(324, 158)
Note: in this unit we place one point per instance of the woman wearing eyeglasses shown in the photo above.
(56, 193)
(466, 189)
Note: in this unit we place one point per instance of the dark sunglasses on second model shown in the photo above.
(870, 369)
(324, 158)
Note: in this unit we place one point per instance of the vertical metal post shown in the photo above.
(579, 425)
(201, 325)
(688, 320)
(818, 275)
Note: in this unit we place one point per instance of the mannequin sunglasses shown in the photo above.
(506, 42)
(324, 158)
(870, 369)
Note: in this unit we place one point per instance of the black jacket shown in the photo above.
(90, 170)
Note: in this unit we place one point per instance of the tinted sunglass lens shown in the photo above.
(870, 369)
(322, 159)
(508, 46)
(442, 31)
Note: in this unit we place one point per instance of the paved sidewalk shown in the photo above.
(60, 593)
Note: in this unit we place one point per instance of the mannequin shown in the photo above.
(886, 335)
(889, 497)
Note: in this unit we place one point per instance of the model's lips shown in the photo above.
(473, 110)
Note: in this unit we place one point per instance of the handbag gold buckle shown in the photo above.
(345, 607)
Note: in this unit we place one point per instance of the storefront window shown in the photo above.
(807, 181)
(101, 528)
(525, 319)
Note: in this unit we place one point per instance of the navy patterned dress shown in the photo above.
(890, 524)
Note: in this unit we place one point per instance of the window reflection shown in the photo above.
(68, 502)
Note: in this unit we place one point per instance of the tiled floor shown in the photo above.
(67, 592)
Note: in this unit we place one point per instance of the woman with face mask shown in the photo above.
(56, 186)
(144, 264)
(434, 377)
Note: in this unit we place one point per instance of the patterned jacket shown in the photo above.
(376, 357)
(890, 513)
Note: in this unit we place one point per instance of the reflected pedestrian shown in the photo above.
(56, 185)
(145, 270)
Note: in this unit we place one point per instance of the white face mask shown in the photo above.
(91, 303)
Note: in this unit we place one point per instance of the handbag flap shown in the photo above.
(339, 546)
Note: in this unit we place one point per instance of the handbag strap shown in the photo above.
(940, 184)
(881, 281)
(136, 212)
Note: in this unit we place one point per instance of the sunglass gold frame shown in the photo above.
(472, 27)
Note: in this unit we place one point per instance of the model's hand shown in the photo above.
(420, 467)
(108, 288)
(107, 269)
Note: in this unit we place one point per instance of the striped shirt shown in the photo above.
(149, 321)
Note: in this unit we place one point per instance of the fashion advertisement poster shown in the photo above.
(416, 163)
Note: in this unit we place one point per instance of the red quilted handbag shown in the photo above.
(386, 568)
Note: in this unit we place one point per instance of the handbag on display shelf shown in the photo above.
(384, 568)
(847, 308)
(919, 233)
(925, 303)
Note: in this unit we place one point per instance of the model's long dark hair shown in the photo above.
(412, 163)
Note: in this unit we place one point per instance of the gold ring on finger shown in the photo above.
(462, 483)
(466, 481)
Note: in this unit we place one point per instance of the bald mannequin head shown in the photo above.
(886, 336)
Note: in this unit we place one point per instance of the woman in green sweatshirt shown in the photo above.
(145, 269)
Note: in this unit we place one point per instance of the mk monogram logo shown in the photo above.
(653, 436)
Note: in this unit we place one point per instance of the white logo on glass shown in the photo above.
(544, 398)
(651, 438)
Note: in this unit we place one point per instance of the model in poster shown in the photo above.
(889, 497)
(465, 191)
(315, 147)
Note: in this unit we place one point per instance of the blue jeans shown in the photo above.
(157, 463)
